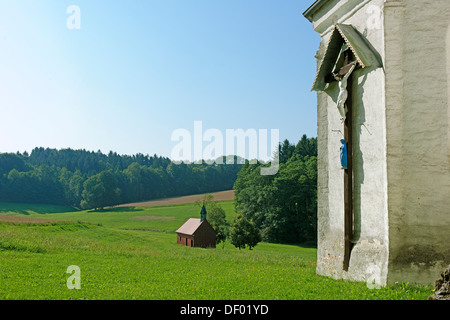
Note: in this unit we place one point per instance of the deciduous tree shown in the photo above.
(100, 191)
(244, 233)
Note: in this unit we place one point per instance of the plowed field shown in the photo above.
(218, 196)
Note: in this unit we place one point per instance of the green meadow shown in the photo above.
(131, 253)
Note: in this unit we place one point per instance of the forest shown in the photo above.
(282, 206)
(87, 179)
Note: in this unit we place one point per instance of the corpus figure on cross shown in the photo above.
(343, 93)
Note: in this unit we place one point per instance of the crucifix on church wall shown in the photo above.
(344, 105)
(347, 51)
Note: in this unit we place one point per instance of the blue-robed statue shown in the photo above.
(343, 154)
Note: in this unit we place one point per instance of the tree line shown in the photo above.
(282, 206)
(87, 179)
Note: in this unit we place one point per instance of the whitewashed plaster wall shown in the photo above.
(401, 125)
(417, 113)
(370, 252)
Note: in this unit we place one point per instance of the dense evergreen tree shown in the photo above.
(286, 150)
(9, 161)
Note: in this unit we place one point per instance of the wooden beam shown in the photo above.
(348, 179)
(342, 72)
(345, 69)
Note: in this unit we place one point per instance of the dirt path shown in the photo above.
(218, 196)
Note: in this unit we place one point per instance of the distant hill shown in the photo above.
(218, 196)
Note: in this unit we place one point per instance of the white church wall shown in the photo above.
(417, 91)
(401, 148)
(369, 255)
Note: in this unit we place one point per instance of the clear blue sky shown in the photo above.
(138, 70)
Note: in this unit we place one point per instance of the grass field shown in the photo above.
(131, 253)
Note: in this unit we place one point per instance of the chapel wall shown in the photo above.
(369, 256)
(417, 116)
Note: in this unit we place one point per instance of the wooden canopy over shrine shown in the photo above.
(344, 37)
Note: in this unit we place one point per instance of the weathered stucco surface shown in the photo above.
(400, 145)
(417, 103)
(369, 255)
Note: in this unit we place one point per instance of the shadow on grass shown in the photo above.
(118, 209)
(306, 245)
(29, 208)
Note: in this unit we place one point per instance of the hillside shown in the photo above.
(218, 196)
(131, 253)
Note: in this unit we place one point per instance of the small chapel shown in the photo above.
(197, 232)
(383, 96)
